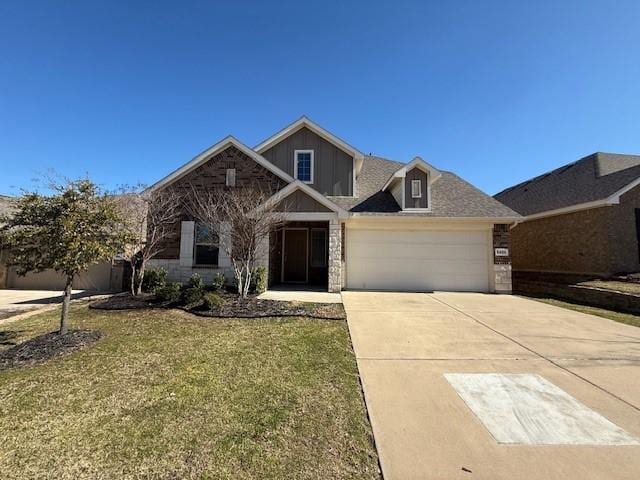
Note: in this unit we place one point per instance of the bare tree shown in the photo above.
(150, 219)
(241, 219)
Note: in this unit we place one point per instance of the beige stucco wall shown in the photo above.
(98, 278)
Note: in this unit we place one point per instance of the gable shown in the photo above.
(299, 201)
(214, 151)
(333, 167)
(416, 174)
(212, 172)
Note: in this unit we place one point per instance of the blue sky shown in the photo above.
(496, 91)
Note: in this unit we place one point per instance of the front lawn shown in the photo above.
(616, 286)
(165, 394)
(621, 317)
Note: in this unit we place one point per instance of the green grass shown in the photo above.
(627, 318)
(624, 287)
(168, 395)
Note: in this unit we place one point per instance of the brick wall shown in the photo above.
(621, 227)
(576, 242)
(501, 239)
(212, 174)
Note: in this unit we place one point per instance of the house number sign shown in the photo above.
(502, 252)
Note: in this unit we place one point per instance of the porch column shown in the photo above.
(335, 256)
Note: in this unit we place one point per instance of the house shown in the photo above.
(357, 221)
(582, 218)
(103, 276)
(5, 209)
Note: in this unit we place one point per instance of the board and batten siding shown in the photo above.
(415, 174)
(332, 169)
(299, 201)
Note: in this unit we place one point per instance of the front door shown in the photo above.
(294, 255)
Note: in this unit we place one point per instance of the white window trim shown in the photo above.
(324, 247)
(413, 189)
(295, 165)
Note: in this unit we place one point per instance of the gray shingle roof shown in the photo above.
(591, 178)
(450, 195)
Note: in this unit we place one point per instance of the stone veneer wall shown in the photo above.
(335, 256)
(502, 264)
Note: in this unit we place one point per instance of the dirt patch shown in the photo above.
(45, 347)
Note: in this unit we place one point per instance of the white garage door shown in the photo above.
(417, 260)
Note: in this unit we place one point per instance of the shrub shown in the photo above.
(259, 280)
(192, 296)
(169, 293)
(212, 301)
(218, 281)
(196, 281)
(154, 278)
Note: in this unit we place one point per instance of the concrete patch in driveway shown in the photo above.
(527, 409)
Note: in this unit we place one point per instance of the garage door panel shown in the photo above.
(417, 260)
(430, 252)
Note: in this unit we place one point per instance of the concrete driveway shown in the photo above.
(572, 412)
(13, 302)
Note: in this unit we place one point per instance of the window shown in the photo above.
(206, 246)
(303, 165)
(318, 247)
(231, 177)
(416, 189)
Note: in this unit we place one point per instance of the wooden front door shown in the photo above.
(295, 252)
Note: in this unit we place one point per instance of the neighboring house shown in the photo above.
(353, 221)
(582, 218)
(99, 277)
(5, 209)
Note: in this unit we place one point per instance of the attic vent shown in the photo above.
(231, 177)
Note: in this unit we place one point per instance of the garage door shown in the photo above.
(98, 277)
(417, 260)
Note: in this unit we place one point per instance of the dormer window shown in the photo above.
(303, 165)
(416, 189)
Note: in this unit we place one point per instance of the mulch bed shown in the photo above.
(233, 307)
(254, 307)
(125, 301)
(45, 347)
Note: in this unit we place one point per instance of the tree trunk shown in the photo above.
(140, 277)
(132, 283)
(66, 300)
